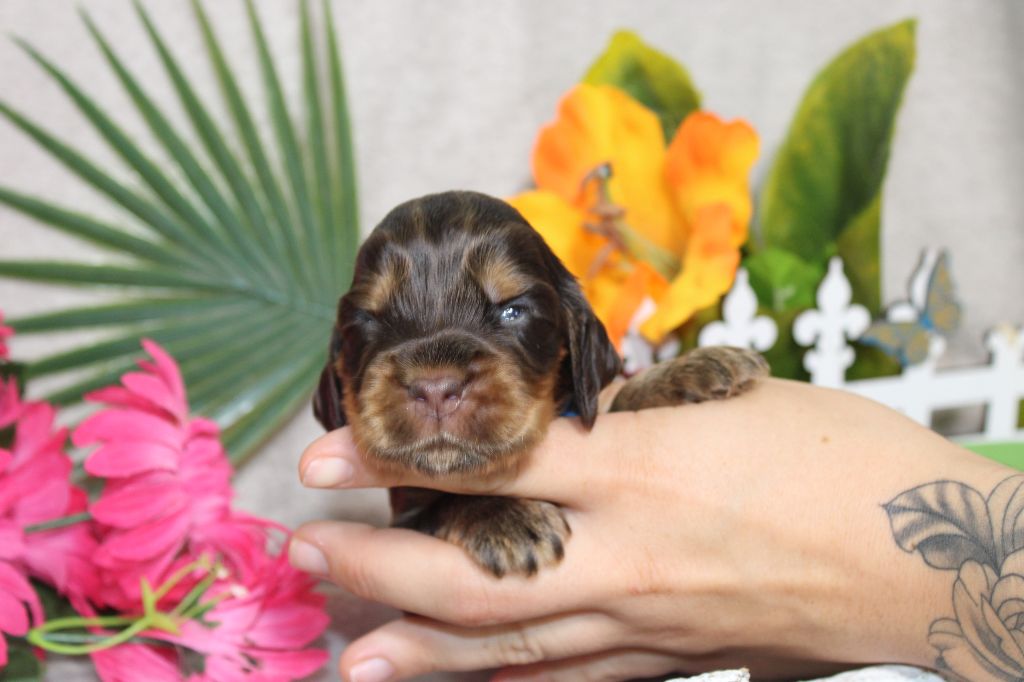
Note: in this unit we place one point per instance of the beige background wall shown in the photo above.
(450, 95)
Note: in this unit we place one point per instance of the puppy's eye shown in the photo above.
(511, 313)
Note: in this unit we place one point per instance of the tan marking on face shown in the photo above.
(377, 290)
(500, 279)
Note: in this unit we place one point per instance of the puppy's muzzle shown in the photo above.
(437, 394)
(443, 377)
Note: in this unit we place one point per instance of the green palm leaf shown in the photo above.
(231, 261)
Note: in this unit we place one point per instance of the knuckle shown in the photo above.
(517, 647)
(474, 605)
(358, 578)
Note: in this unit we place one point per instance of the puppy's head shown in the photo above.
(461, 338)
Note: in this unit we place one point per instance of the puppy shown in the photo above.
(461, 338)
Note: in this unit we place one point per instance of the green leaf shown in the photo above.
(345, 196)
(22, 664)
(858, 245)
(278, 222)
(234, 272)
(650, 76)
(783, 281)
(829, 171)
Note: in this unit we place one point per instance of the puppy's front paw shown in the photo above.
(712, 373)
(504, 535)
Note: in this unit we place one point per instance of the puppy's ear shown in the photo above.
(593, 360)
(327, 403)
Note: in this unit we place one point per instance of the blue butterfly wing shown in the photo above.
(941, 310)
(905, 341)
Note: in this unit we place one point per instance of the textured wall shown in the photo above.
(449, 95)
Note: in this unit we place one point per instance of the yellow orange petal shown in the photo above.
(642, 282)
(613, 286)
(561, 225)
(597, 124)
(709, 162)
(708, 271)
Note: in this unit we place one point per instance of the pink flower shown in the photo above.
(17, 601)
(256, 630)
(35, 488)
(259, 632)
(166, 502)
(5, 333)
(168, 488)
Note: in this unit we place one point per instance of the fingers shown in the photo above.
(610, 665)
(414, 646)
(423, 575)
(564, 465)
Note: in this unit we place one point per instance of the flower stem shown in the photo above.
(37, 636)
(52, 635)
(60, 522)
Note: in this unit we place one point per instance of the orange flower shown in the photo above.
(632, 219)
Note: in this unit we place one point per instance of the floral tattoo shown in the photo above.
(955, 528)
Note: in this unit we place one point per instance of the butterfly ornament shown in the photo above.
(932, 310)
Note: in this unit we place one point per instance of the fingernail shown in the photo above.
(372, 670)
(307, 557)
(327, 472)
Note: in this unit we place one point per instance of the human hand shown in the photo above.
(748, 532)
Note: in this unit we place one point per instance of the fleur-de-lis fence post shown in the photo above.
(918, 391)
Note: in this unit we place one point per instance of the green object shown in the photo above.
(822, 195)
(783, 281)
(233, 260)
(22, 664)
(1008, 453)
(650, 76)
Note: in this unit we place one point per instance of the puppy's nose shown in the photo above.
(438, 396)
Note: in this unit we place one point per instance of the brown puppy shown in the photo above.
(461, 338)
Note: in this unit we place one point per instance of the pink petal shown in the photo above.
(13, 618)
(133, 505)
(157, 392)
(47, 501)
(148, 540)
(167, 368)
(289, 665)
(21, 486)
(122, 458)
(288, 627)
(36, 423)
(125, 424)
(63, 557)
(12, 542)
(133, 662)
(15, 585)
(119, 396)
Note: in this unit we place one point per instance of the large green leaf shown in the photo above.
(783, 281)
(234, 259)
(827, 176)
(652, 77)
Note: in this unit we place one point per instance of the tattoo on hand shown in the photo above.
(955, 528)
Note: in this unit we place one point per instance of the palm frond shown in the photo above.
(231, 260)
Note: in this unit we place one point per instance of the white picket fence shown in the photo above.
(919, 391)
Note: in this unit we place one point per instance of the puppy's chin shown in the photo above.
(445, 455)
(500, 419)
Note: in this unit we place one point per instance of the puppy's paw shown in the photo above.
(506, 536)
(712, 373)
